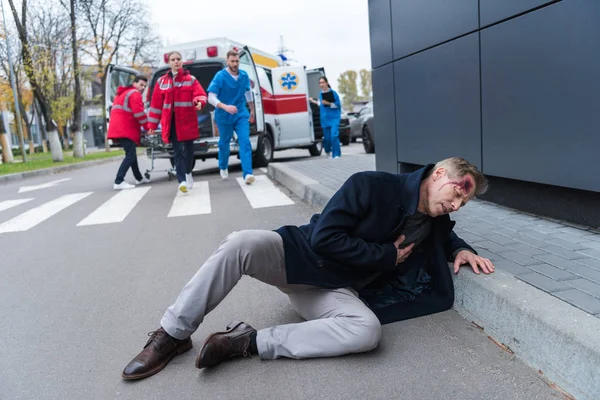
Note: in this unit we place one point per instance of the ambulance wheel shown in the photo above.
(264, 151)
(316, 149)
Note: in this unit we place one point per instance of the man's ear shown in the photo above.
(439, 173)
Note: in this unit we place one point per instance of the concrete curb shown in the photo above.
(55, 170)
(559, 340)
(551, 336)
(302, 186)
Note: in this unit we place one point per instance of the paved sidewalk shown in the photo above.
(552, 256)
(543, 301)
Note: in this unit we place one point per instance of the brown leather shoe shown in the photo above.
(221, 346)
(157, 353)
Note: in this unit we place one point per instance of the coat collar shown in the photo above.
(181, 74)
(411, 189)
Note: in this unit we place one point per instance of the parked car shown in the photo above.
(362, 127)
(344, 129)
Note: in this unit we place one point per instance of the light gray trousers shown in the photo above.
(337, 321)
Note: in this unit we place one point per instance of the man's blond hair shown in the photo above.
(457, 168)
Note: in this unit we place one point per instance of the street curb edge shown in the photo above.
(302, 186)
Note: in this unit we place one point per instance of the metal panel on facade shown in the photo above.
(492, 11)
(540, 99)
(419, 24)
(438, 103)
(385, 122)
(380, 27)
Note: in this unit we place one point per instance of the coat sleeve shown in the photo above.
(199, 93)
(454, 244)
(332, 238)
(137, 107)
(155, 111)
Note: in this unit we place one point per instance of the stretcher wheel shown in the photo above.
(147, 175)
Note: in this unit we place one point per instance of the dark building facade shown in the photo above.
(511, 85)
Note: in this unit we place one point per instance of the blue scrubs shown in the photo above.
(330, 122)
(233, 93)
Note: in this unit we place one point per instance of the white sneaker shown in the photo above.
(143, 181)
(183, 187)
(190, 181)
(328, 155)
(123, 185)
(336, 157)
(224, 173)
(250, 179)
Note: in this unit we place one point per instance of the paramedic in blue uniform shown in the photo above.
(230, 93)
(330, 119)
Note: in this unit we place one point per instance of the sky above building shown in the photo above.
(333, 34)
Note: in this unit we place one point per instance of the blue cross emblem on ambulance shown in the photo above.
(289, 81)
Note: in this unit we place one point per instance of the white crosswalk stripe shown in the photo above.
(263, 193)
(5, 205)
(116, 208)
(24, 189)
(36, 215)
(195, 202)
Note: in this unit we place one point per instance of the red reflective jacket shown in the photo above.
(127, 115)
(181, 96)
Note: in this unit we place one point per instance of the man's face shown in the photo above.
(233, 62)
(446, 195)
(140, 85)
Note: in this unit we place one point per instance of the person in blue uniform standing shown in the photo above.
(229, 92)
(330, 119)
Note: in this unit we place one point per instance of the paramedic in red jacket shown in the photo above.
(176, 97)
(126, 117)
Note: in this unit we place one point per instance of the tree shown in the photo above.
(50, 37)
(43, 103)
(62, 109)
(366, 86)
(77, 98)
(12, 73)
(25, 102)
(142, 46)
(347, 87)
(110, 23)
(5, 90)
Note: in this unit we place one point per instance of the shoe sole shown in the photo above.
(202, 353)
(188, 346)
(250, 181)
(183, 189)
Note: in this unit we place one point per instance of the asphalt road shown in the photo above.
(76, 303)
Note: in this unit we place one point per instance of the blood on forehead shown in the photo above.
(466, 184)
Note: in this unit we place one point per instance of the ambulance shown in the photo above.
(285, 118)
